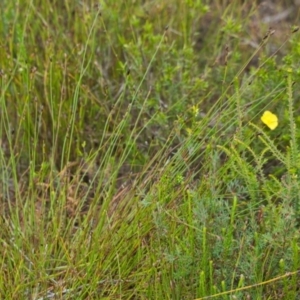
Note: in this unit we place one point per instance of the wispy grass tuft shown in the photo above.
(134, 164)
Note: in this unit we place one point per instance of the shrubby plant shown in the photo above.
(149, 150)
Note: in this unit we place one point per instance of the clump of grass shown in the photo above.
(133, 160)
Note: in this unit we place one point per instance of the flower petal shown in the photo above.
(270, 119)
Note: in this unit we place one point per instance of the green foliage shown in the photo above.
(134, 163)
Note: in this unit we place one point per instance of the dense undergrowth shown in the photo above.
(134, 162)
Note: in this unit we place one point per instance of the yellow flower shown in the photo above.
(270, 119)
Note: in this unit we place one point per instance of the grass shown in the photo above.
(134, 164)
